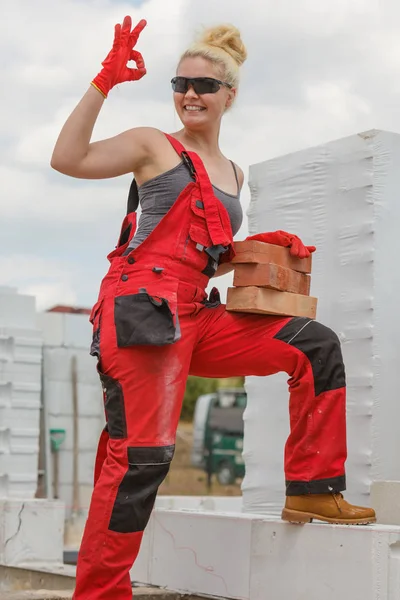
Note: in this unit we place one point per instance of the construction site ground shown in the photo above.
(185, 480)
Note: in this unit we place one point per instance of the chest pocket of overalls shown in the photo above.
(147, 314)
(199, 250)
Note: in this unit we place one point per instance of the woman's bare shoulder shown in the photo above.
(147, 135)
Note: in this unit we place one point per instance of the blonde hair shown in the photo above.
(223, 47)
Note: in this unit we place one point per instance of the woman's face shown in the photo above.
(197, 111)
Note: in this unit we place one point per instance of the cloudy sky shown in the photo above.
(317, 70)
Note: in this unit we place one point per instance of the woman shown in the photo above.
(153, 324)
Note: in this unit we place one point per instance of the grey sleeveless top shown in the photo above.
(157, 196)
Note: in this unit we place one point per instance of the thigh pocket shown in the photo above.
(148, 316)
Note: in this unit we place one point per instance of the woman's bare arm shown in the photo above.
(74, 155)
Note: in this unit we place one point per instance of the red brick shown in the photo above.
(272, 276)
(270, 302)
(259, 252)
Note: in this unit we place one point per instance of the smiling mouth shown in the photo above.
(193, 108)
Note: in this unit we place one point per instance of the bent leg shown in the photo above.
(143, 389)
(236, 344)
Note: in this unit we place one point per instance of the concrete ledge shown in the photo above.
(246, 556)
(37, 595)
(36, 578)
(139, 594)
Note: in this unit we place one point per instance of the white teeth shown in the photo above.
(194, 108)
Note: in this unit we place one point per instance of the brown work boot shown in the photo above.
(331, 508)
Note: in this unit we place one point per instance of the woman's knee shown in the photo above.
(321, 346)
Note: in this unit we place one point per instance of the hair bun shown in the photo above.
(226, 37)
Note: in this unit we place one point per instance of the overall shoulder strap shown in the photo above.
(183, 153)
(198, 170)
(133, 198)
(177, 146)
(133, 195)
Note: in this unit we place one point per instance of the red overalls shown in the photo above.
(153, 325)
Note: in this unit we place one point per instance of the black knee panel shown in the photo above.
(137, 492)
(321, 345)
(114, 407)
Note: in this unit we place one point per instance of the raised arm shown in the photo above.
(74, 154)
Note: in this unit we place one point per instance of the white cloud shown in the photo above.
(50, 294)
(42, 75)
(37, 198)
(47, 279)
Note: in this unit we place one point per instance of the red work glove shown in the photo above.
(114, 69)
(288, 240)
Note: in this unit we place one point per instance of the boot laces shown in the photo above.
(337, 496)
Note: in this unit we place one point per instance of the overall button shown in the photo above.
(130, 260)
(124, 277)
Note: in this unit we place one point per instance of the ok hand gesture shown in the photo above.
(115, 69)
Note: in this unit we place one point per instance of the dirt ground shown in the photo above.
(185, 480)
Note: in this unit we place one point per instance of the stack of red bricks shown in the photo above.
(268, 280)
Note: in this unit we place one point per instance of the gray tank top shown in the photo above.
(157, 196)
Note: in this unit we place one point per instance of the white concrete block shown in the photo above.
(19, 463)
(17, 310)
(31, 531)
(18, 395)
(5, 439)
(66, 495)
(59, 399)
(17, 489)
(88, 434)
(204, 553)
(323, 561)
(34, 335)
(5, 393)
(21, 372)
(141, 571)
(65, 329)
(202, 503)
(78, 331)
(25, 440)
(18, 485)
(25, 347)
(385, 499)
(85, 466)
(58, 364)
(6, 348)
(22, 418)
(52, 327)
(343, 197)
(256, 557)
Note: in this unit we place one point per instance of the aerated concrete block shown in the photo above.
(342, 197)
(243, 556)
(31, 531)
(385, 499)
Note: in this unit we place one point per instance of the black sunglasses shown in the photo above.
(201, 85)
